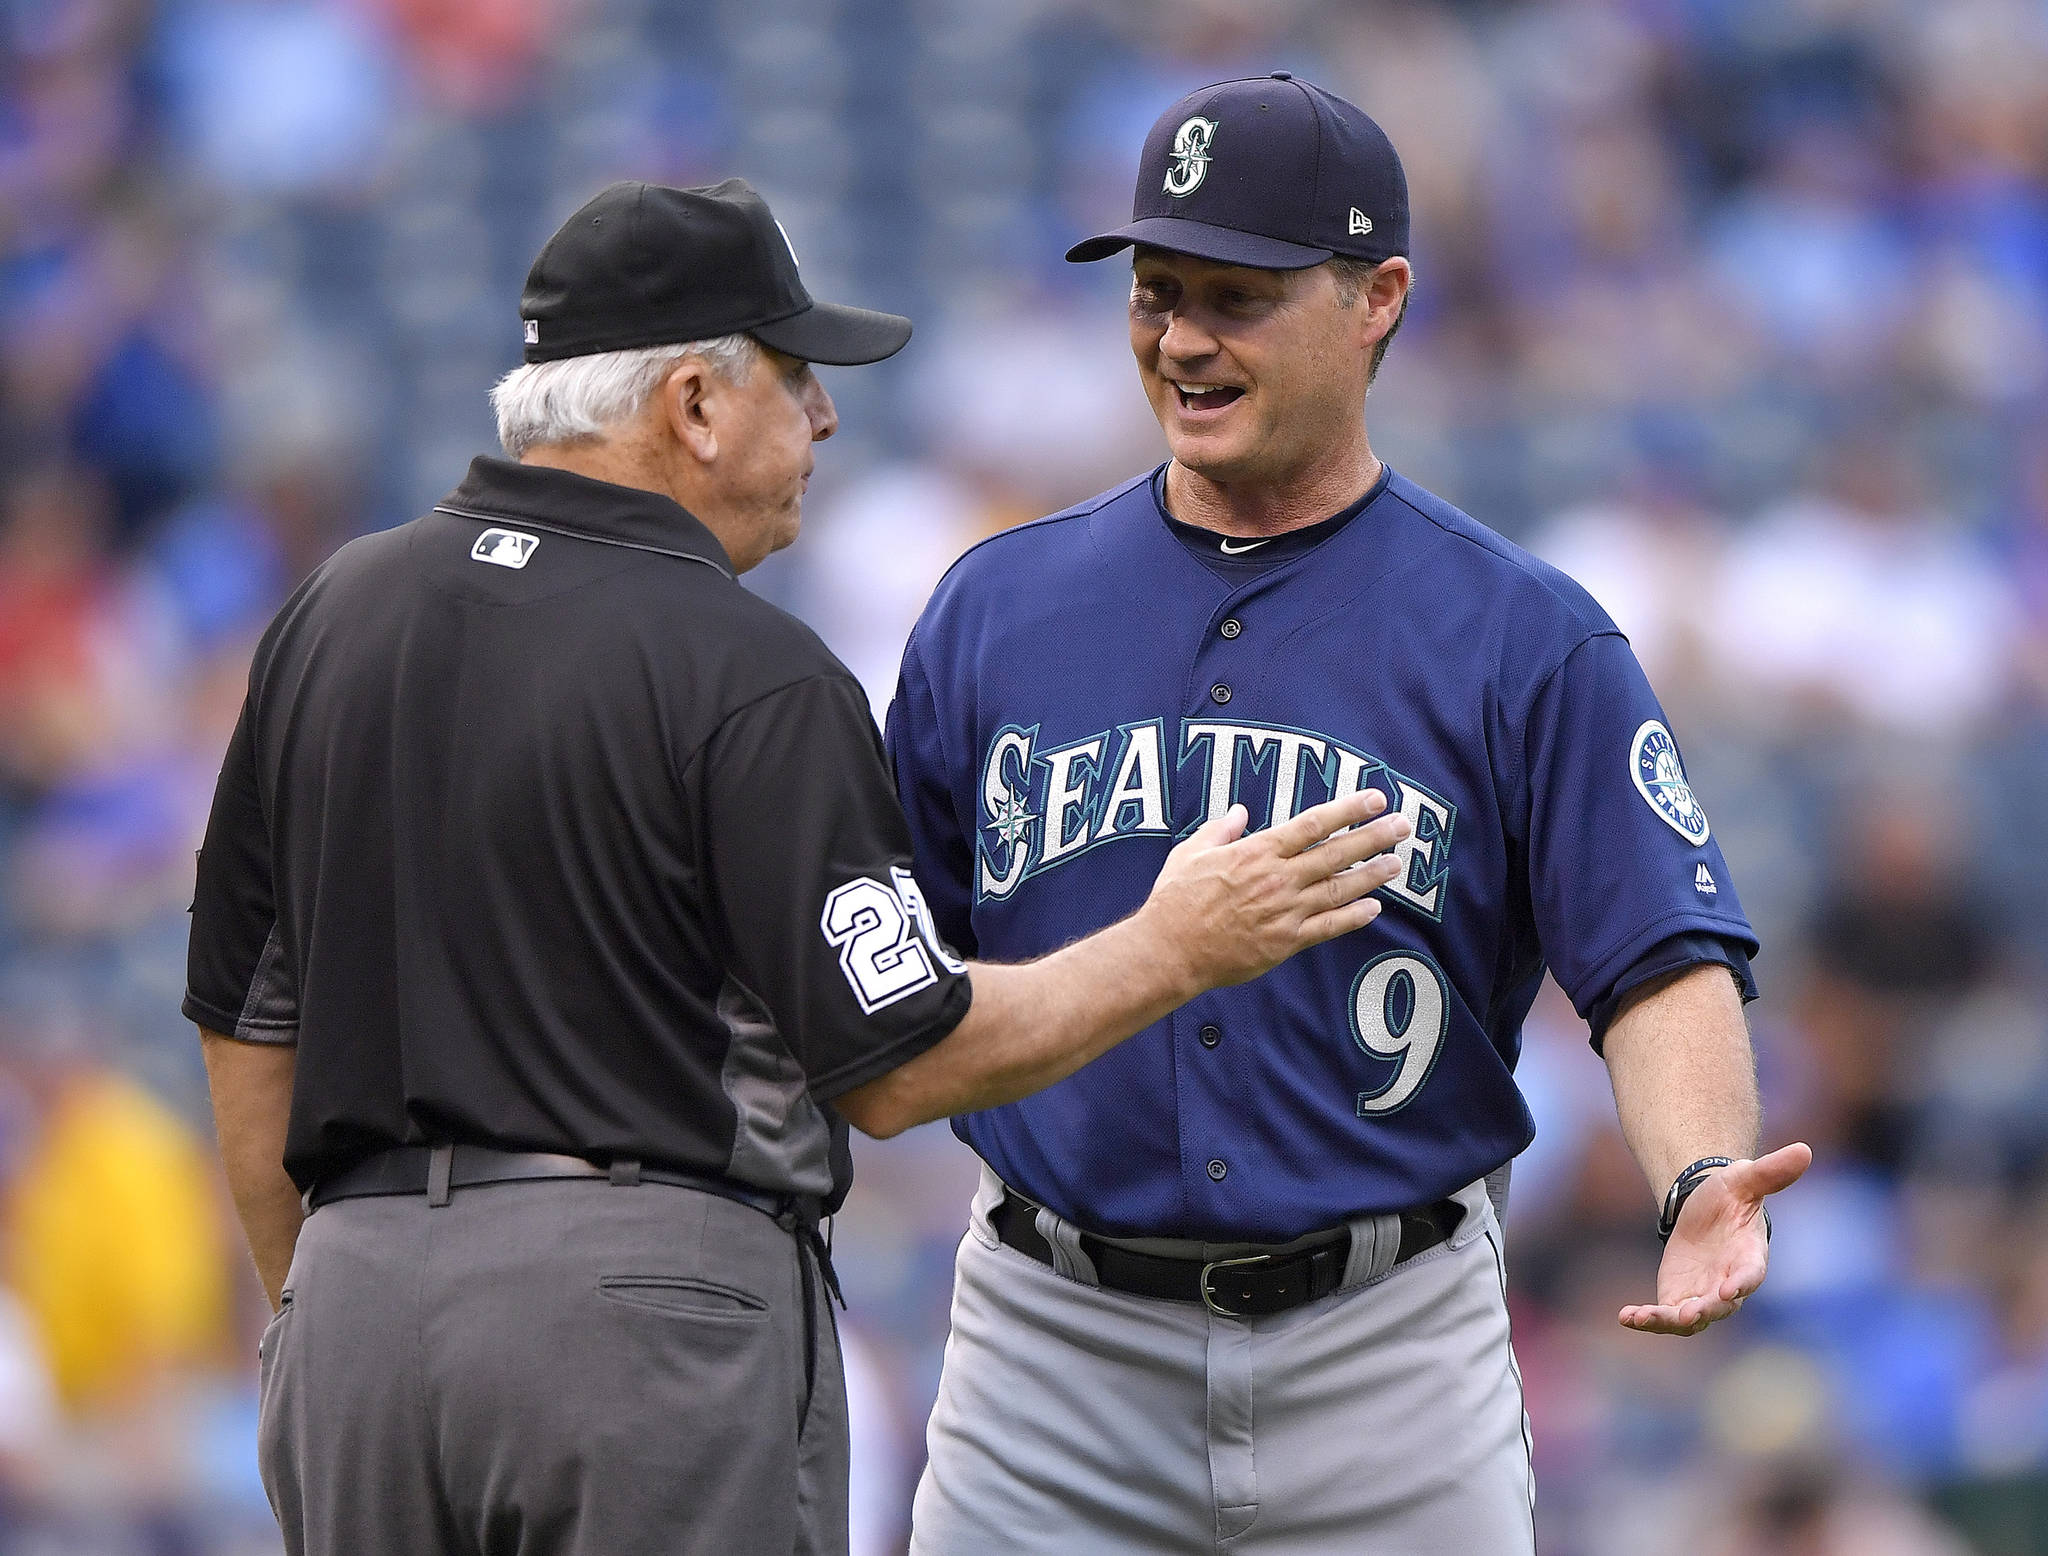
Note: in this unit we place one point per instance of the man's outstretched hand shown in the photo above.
(1719, 1249)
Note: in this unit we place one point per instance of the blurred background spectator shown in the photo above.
(1738, 309)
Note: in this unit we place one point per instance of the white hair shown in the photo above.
(582, 397)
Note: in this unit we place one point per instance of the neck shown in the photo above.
(1250, 508)
(626, 464)
(605, 459)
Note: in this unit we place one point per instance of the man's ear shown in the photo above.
(687, 399)
(1384, 295)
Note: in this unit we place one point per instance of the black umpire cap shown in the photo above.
(1269, 172)
(646, 265)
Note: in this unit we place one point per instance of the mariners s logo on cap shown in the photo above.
(1190, 163)
(1660, 778)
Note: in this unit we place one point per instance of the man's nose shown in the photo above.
(1184, 339)
(824, 415)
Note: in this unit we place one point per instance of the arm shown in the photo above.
(1684, 1088)
(1225, 908)
(251, 1085)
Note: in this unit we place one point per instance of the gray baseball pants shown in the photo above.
(1384, 1419)
(559, 1368)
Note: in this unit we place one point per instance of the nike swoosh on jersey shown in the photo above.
(1250, 545)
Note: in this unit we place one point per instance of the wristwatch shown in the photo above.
(1681, 1190)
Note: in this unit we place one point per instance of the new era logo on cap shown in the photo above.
(1360, 222)
(533, 332)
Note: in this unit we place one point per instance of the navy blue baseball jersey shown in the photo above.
(1083, 691)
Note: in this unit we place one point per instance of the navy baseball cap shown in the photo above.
(1269, 172)
(646, 265)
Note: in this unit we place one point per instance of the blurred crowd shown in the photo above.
(1736, 309)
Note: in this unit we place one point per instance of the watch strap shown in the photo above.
(1681, 1190)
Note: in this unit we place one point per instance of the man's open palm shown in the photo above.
(1719, 1249)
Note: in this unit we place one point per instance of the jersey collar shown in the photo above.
(570, 504)
(1240, 556)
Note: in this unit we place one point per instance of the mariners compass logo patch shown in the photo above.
(1660, 778)
(1190, 163)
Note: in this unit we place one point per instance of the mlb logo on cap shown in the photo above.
(1269, 172)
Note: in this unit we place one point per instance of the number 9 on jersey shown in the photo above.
(1398, 1013)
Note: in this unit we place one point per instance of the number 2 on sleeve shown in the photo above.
(882, 940)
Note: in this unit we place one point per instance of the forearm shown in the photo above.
(251, 1085)
(1031, 1024)
(1224, 908)
(1684, 1075)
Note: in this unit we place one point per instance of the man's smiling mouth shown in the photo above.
(1205, 397)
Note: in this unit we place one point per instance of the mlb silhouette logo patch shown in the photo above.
(504, 547)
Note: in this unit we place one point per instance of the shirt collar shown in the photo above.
(564, 502)
(1261, 553)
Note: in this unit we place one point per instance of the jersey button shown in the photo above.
(1231, 627)
(1210, 1036)
(1217, 1169)
(1219, 693)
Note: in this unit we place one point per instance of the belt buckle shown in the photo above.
(1208, 1291)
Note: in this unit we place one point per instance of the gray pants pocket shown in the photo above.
(686, 1296)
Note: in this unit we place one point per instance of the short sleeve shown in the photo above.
(1621, 851)
(1693, 949)
(240, 980)
(942, 849)
(810, 881)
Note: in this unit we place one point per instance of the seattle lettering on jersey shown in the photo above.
(1044, 806)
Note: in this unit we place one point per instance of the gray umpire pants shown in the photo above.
(1385, 1418)
(555, 1368)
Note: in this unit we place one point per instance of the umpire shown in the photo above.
(555, 911)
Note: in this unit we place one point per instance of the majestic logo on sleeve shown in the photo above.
(1042, 805)
(1190, 156)
(1660, 777)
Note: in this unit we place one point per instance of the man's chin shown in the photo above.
(792, 526)
(1213, 460)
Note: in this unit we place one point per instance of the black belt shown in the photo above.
(1252, 1286)
(435, 1170)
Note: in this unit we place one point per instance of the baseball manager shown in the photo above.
(554, 912)
(1238, 1284)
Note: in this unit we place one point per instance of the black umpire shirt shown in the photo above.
(539, 831)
